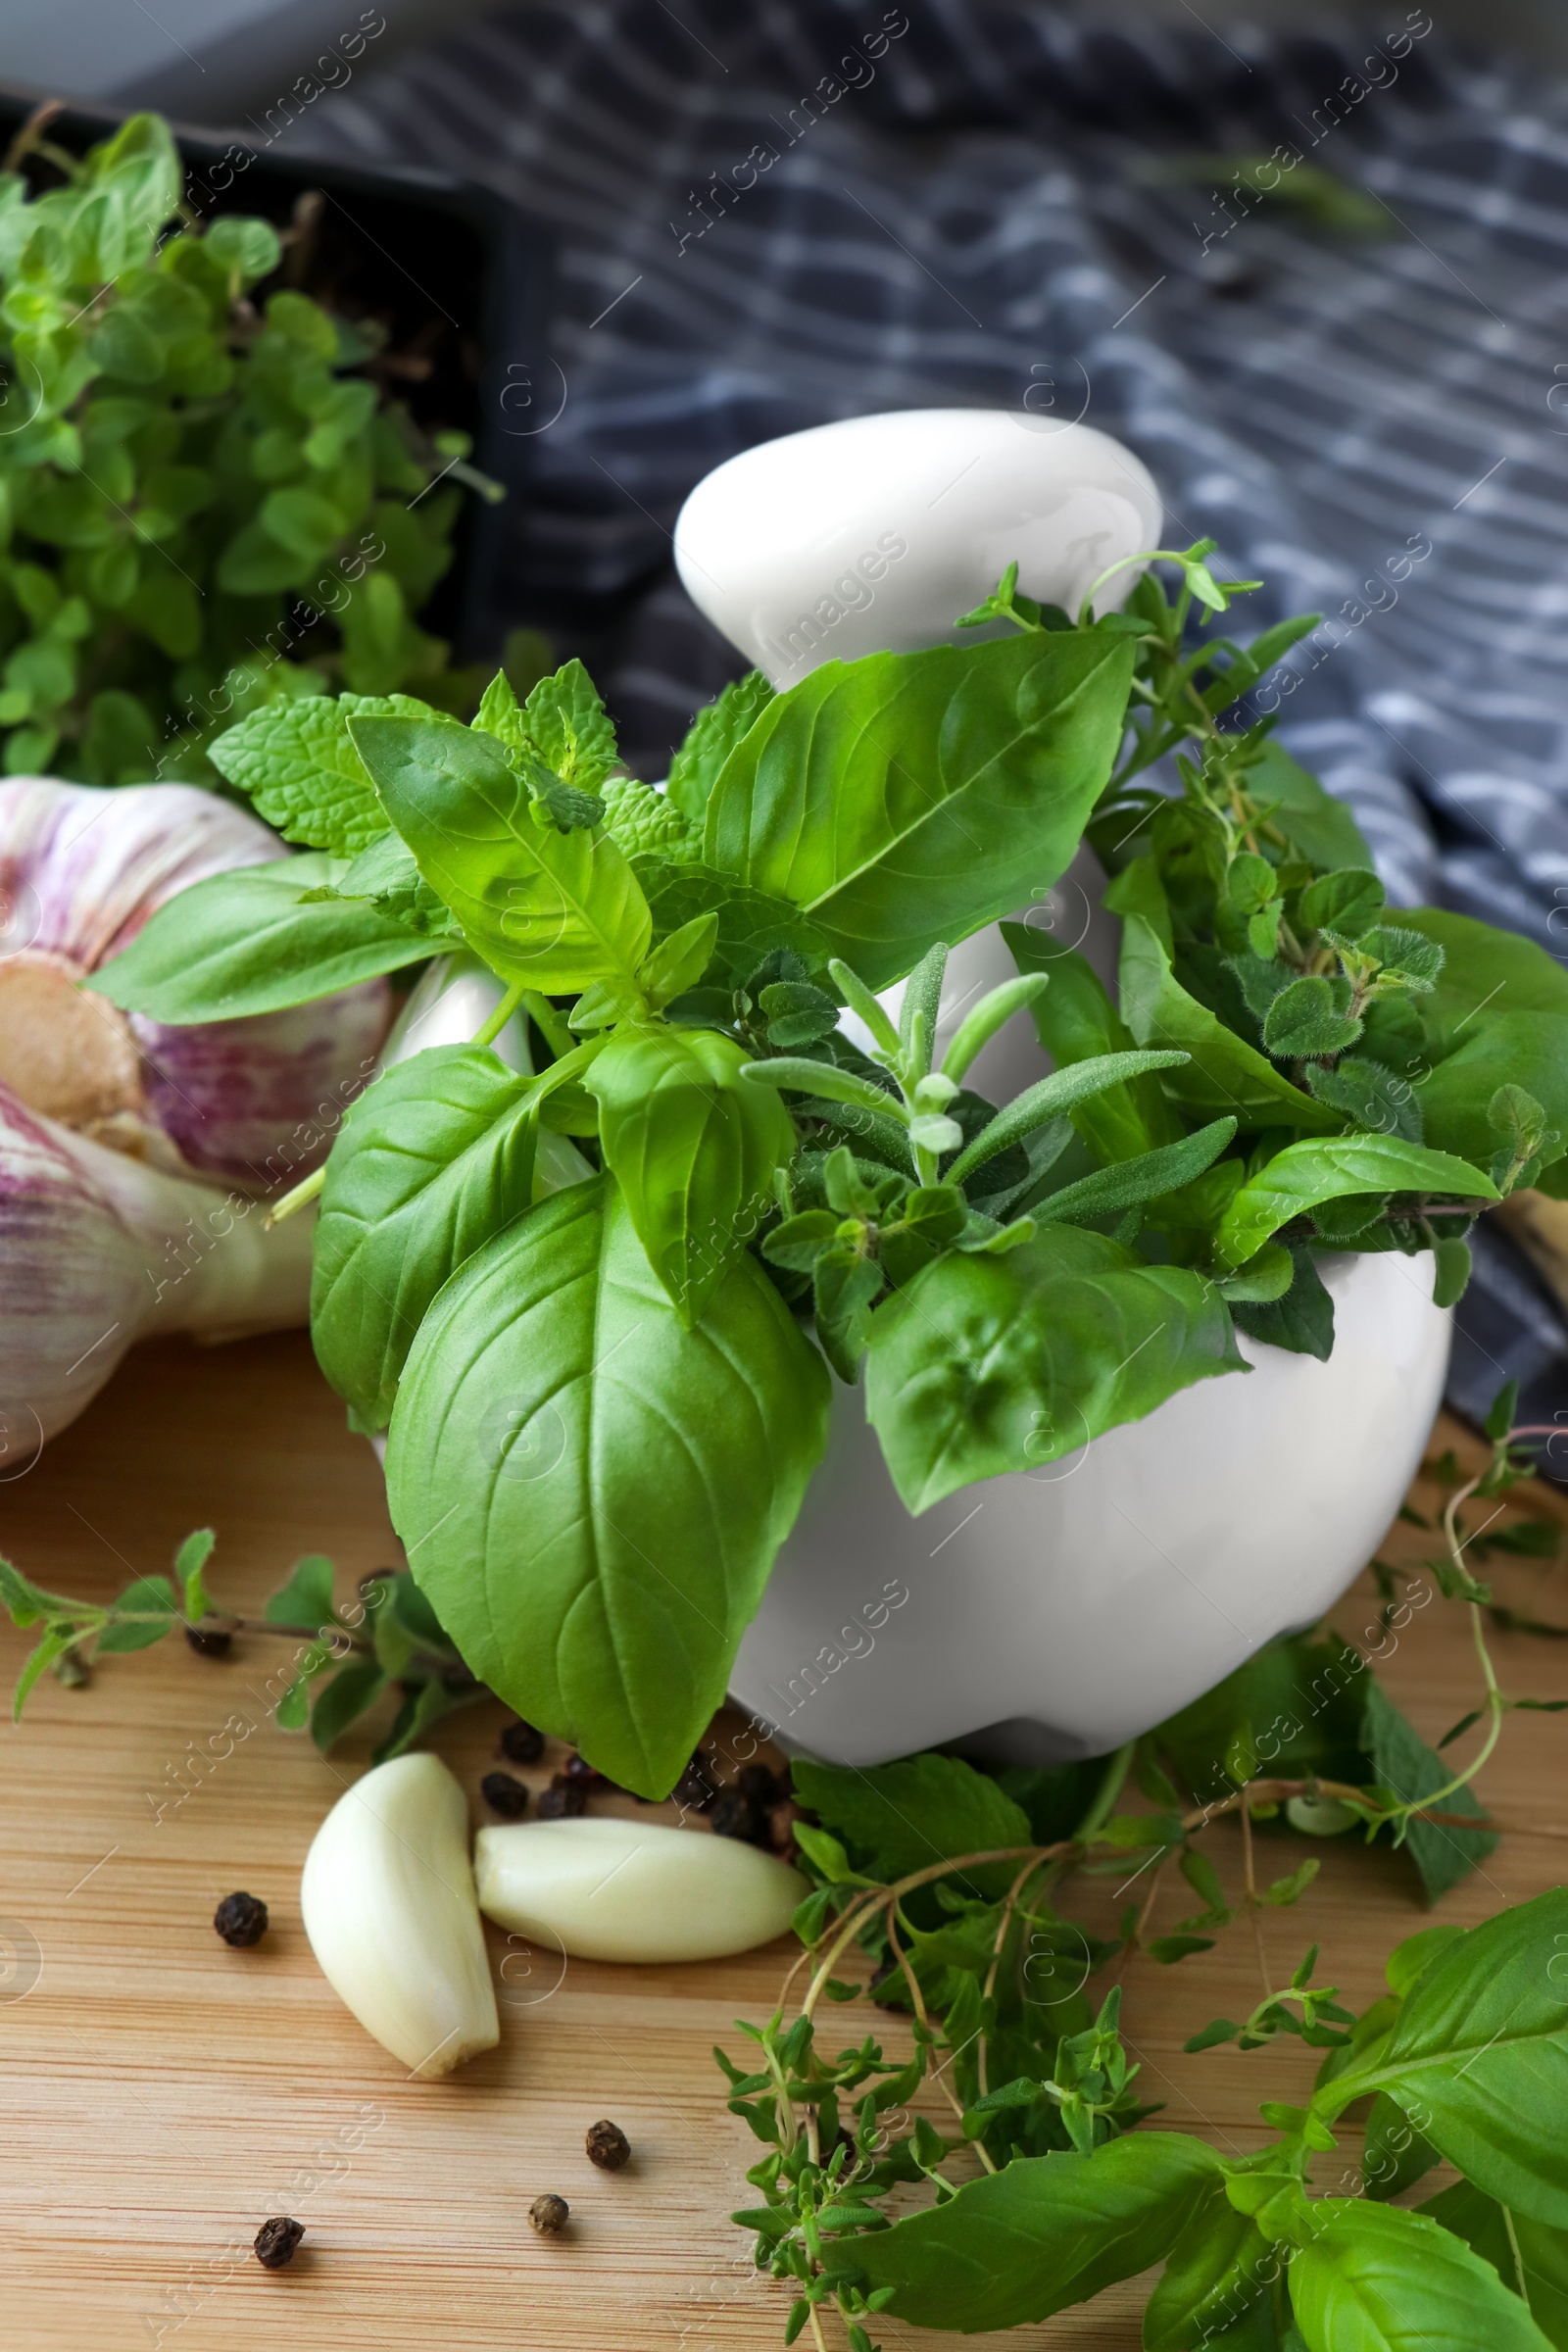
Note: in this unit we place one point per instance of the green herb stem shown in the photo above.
(488, 1031)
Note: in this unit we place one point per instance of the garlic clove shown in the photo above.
(874, 533)
(255, 1101)
(388, 1902)
(608, 1890)
(100, 1249)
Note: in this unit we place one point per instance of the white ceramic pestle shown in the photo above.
(873, 534)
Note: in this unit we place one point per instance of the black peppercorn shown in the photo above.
(549, 2214)
(578, 1768)
(562, 1800)
(241, 1919)
(521, 1743)
(209, 1644)
(696, 1788)
(608, 2146)
(277, 2242)
(735, 1816)
(755, 1782)
(504, 1795)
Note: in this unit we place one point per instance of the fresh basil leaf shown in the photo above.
(1384, 2280)
(711, 737)
(908, 798)
(1045, 2232)
(1393, 2156)
(299, 765)
(1403, 1761)
(1528, 2256)
(436, 1157)
(679, 962)
(1132, 1182)
(387, 874)
(1298, 1704)
(1321, 827)
(556, 909)
(691, 1150)
(1301, 1320)
(1216, 2271)
(250, 941)
(1478, 2057)
(591, 1496)
(1224, 1074)
(1494, 1018)
(1264, 1279)
(1296, 1179)
(899, 1818)
(986, 1363)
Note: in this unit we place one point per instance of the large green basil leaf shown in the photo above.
(591, 1496)
(1321, 827)
(436, 1157)
(558, 910)
(692, 1149)
(907, 797)
(1478, 2057)
(1045, 2232)
(245, 942)
(1225, 1073)
(1373, 2278)
(1218, 2268)
(1296, 1179)
(988, 1363)
(1498, 1016)
(1539, 2270)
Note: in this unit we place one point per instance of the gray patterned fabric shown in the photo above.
(836, 207)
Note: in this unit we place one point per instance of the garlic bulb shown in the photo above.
(387, 1898)
(873, 534)
(606, 1889)
(98, 1250)
(81, 868)
(134, 1157)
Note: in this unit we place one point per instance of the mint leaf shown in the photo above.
(1403, 1761)
(713, 735)
(299, 765)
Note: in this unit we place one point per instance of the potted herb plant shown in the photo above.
(606, 1399)
(233, 448)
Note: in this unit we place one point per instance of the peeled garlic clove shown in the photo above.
(387, 1897)
(873, 534)
(606, 1889)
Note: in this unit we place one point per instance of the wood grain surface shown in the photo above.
(163, 2094)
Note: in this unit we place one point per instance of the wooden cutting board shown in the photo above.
(162, 2095)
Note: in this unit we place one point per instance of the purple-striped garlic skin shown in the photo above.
(253, 1101)
(98, 1250)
